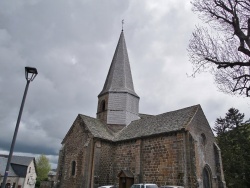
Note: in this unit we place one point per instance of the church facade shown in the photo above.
(121, 146)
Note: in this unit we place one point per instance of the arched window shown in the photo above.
(203, 139)
(206, 174)
(73, 168)
(103, 106)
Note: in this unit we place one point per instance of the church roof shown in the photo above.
(162, 123)
(148, 125)
(119, 78)
(97, 128)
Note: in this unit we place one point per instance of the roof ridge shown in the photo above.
(146, 114)
(87, 116)
(166, 122)
(197, 105)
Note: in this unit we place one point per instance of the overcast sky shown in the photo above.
(71, 43)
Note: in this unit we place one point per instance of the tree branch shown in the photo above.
(243, 76)
(244, 50)
(227, 64)
(226, 52)
(220, 17)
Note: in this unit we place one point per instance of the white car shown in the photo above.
(107, 186)
(144, 185)
(171, 186)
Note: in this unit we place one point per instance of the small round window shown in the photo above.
(203, 139)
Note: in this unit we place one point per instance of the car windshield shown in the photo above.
(135, 186)
(151, 186)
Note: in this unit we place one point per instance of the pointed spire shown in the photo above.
(119, 78)
(118, 104)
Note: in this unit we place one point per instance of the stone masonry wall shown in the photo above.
(104, 164)
(157, 160)
(74, 149)
(125, 156)
(190, 176)
(204, 147)
(163, 160)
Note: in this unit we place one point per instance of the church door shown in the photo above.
(125, 182)
(126, 179)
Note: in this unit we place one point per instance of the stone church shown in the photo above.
(122, 146)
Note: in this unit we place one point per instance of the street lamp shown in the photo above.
(30, 74)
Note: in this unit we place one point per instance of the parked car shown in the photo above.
(107, 186)
(144, 185)
(171, 186)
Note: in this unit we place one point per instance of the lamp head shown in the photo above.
(30, 73)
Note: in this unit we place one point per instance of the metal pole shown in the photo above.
(15, 134)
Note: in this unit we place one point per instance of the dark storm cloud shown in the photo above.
(23, 147)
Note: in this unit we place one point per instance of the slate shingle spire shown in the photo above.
(119, 78)
(118, 104)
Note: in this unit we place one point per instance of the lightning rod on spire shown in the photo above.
(122, 24)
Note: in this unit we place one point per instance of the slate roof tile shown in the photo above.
(146, 126)
(119, 78)
(162, 123)
(97, 128)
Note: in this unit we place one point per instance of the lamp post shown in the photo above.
(30, 74)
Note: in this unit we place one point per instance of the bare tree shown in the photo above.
(224, 48)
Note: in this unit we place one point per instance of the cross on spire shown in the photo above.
(122, 24)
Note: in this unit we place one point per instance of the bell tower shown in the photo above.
(118, 104)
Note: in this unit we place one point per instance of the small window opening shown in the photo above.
(103, 105)
(203, 139)
(73, 170)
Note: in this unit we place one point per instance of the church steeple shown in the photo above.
(119, 77)
(118, 104)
